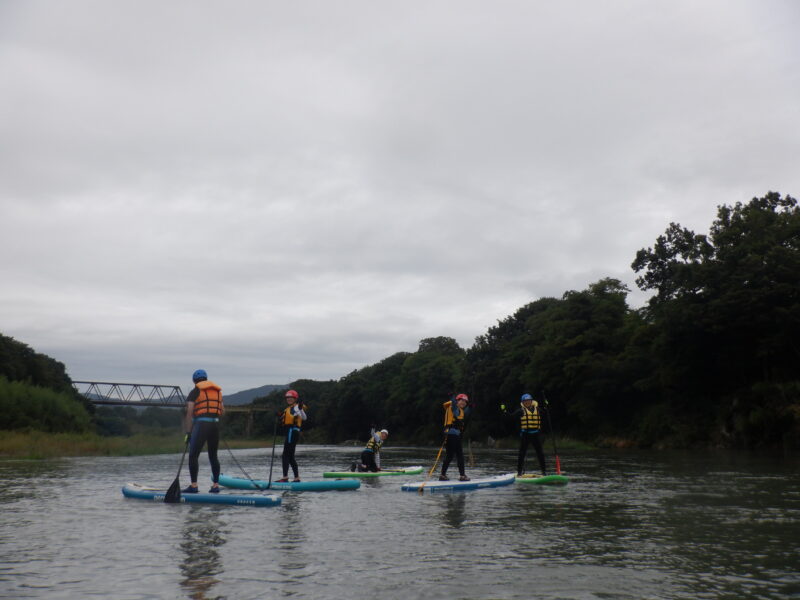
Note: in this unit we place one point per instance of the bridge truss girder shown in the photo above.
(130, 394)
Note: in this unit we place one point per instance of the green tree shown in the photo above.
(19, 362)
(726, 319)
(427, 379)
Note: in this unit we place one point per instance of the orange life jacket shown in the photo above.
(290, 420)
(209, 400)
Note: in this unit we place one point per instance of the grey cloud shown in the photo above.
(284, 190)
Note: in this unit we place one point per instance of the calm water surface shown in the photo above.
(628, 525)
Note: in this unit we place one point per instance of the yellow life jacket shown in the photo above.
(374, 445)
(209, 400)
(290, 420)
(450, 420)
(530, 418)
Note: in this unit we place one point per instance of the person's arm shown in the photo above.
(299, 411)
(188, 417)
(509, 417)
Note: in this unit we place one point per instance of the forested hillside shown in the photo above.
(711, 360)
(36, 392)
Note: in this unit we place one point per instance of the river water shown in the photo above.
(630, 524)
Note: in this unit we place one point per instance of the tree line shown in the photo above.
(711, 360)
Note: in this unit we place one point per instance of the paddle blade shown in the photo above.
(558, 466)
(173, 494)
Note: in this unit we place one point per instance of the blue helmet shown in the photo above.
(199, 375)
(526, 397)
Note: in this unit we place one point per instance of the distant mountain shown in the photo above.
(247, 396)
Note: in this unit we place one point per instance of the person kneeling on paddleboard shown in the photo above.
(370, 455)
(530, 423)
(454, 422)
(203, 410)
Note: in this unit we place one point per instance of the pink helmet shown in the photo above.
(291, 394)
(462, 397)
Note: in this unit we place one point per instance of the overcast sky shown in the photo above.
(275, 190)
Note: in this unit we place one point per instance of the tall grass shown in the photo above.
(39, 445)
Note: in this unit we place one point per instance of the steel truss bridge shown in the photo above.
(148, 394)
(131, 394)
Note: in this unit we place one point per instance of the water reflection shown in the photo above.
(293, 558)
(202, 536)
(454, 514)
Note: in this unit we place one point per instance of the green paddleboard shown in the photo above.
(404, 471)
(542, 479)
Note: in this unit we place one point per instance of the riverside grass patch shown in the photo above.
(39, 445)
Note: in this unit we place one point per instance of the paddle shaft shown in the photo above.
(241, 468)
(433, 468)
(552, 434)
(471, 458)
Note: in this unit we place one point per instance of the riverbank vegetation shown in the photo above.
(711, 360)
(38, 444)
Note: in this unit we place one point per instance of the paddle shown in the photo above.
(173, 494)
(471, 405)
(552, 433)
(433, 468)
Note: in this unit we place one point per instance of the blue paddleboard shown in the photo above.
(141, 492)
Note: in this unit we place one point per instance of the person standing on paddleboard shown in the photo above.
(455, 413)
(291, 418)
(201, 424)
(530, 422)
(370, 455)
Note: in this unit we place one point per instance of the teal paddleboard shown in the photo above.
(295, 486)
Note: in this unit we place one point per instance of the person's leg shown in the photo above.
(213, 446)
(293, 461)
(285, 456)
(459, 450)
(293, 436)
(195, 447)
(537, 445)
(448, 454)
(523, 450)
(368, 460)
